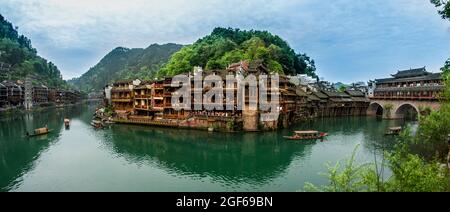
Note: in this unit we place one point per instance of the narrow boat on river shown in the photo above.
(39, 131)
(67, 123)
(307, 135)
(394, 131)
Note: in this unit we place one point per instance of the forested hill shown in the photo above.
(18, 58)
(225, 46)
(216, 51)
(124, 63)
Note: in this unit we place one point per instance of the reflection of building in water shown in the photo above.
(233, 157)
(18, 153)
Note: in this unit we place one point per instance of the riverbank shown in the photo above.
(17, 111)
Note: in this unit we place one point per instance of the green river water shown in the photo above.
(141, 158)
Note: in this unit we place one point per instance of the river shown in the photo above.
(141, 158)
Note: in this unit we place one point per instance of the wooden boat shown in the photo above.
(394, 131)
(39, 131)
(307, 135)
(97, 124)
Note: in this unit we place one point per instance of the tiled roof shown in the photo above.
(360, 99)
(313, 97)
(340, 99)
(144, 86)
(433, 76)
(236, 66)
(123, 81)
(321, 95)
(411, 73)
(355, 93)
(335, 94)
(300, 92)
(9, 84)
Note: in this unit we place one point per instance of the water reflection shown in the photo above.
(370, 129)
(251, 158)
(141, 157)
(18, 153)
(255, 158)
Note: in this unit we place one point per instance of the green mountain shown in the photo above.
(18, 58)
(225, 46)
(124, 63)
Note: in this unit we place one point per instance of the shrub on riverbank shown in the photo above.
(416, 162)
(410, 173)
(432, 135)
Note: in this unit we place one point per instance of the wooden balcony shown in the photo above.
(158, 86)
(173, 116)
(142, 107)
(122, 99)
(145, 96)
(121, 89)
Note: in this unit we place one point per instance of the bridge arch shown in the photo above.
(375, 109)
(407, 110)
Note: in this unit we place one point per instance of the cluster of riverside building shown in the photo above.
(300, 98)
(13, 94)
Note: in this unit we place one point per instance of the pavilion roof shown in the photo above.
(431, 76)
(411, 73)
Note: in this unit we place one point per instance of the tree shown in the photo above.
(342, 88)
(18, 52)
(444, 8)
(226, 45)
(388, 108)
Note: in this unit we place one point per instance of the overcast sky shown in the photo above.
(349, 40)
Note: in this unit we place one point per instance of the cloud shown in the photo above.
(76, 34)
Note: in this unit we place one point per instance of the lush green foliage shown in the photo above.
(415, 163)
(226, 46)
(342, 88)
(388, 108)
(444, 7)
(124, 63)
(432, 134)
(348, 179)
(410, 173)
(17, 51)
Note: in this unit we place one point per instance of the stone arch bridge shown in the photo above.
(399, 107)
